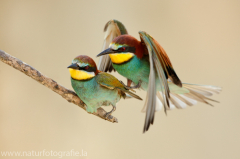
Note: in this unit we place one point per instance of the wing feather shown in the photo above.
(164, 60)
(150, 102)
(113, 29)
(108, 81)
(158, 65)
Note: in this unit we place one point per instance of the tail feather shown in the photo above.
(196, 97)
(159, 105)
(197, 93)
(206, 88)
(188, 101)
(160, 96)
(189, 95)
(132, 94)
(177, 102)
(200, 91)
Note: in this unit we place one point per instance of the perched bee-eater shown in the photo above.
(96, 88)
(147, 61)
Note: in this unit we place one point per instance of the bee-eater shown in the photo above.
(147, 61)
(96, 88)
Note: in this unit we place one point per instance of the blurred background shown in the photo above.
(202, 39)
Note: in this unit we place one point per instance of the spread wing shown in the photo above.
(160, 66)
(113, 28)
(108, 81)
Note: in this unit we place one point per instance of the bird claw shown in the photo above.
(108, 115)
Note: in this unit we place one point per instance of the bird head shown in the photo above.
(123, 48)
(83, 68)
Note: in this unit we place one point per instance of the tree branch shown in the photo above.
(69, 95)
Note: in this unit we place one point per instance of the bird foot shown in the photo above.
(108, 115)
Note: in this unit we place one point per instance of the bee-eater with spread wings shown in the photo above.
(146, 62)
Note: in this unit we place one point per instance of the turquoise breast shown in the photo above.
(136, 69)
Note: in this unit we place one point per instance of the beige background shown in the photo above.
(202, 39)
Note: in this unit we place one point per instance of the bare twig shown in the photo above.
(69, 95)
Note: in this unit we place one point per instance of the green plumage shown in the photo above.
(101, 89)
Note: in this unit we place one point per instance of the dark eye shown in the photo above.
(122, 49)
(86, 67)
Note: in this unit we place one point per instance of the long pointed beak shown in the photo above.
(74, 66)
(107, 51)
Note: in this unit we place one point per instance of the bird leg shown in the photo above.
(133, 87)
(108, 114)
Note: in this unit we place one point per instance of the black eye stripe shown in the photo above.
(90, 69)
(127, 49)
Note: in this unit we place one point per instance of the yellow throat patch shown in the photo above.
(121, 57)
(80, 74)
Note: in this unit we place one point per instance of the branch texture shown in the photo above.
(69, 95)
